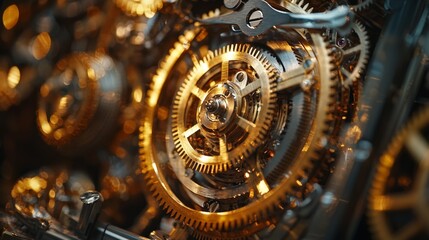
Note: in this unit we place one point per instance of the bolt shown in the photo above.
(90, 197)
(306, 84)
(240, 76)
(232, 4)
(255, 18)
(308, 64)
(212, 105)
(341, 43)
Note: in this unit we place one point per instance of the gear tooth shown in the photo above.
(305, 7)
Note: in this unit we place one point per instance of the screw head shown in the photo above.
(255, 18)
(232, 4)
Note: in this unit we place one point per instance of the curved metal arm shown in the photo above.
(257, 16)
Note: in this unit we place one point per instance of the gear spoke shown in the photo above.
(223, 149)
(395, 201)
(225, 70)
(347, 74)
(292, 78)
(191, 131)
(198, 92)
(419, 148)
(253, 86)
(353, 50)
(245, 124)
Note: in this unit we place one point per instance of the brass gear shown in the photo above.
(397, 205)
(262, 202)
(80, 101)
(146, 8)
(226, 91)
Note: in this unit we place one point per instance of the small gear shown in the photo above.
(146, 8)
(217, 116)
(398, 207)
(351, 53)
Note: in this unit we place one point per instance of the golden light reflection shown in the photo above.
(58, 134)
(10, 16)
(64, 103)
(41, 45)
(263, 187)
(44, 90)
(14, 77)
(46, 127)
(91, 74)
(138, 95)
(129, 126)
(36, 184)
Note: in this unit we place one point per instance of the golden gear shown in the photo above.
(146, 8)
(217, 115)
(260, 204)
(398, 206)
(80, 100)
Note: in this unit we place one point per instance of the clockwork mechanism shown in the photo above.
(232, 129)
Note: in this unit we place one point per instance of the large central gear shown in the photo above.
(224, 108)
(213, 88)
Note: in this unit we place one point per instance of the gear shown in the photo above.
(398, 206)
(79, 102)
(211, 204)
(217, 115)
(146, 8)
(351, 53)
